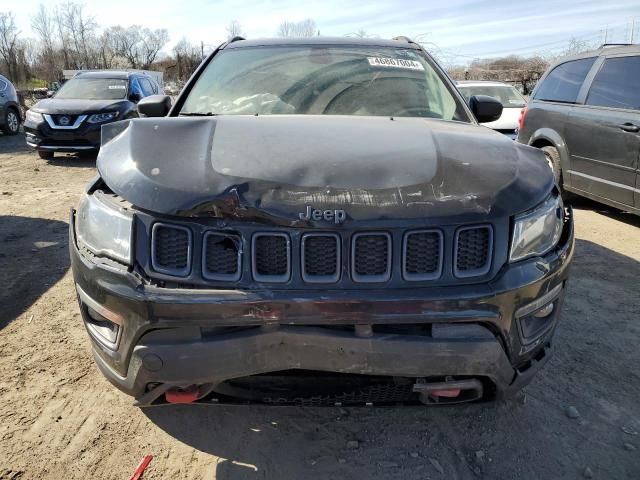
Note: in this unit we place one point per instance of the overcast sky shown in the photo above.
(462, 29)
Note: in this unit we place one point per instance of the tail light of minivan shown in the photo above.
(523, 113)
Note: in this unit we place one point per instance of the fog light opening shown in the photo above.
(545, 311)
(102, 327)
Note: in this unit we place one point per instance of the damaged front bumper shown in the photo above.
(175, 339)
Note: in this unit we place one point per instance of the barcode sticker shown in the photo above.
(395, 63)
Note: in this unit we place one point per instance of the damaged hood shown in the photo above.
(373, 168)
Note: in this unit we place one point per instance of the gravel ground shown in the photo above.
(59, 418)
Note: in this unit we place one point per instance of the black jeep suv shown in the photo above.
(319, 221)
(71, 120)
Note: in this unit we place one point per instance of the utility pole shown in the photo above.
(201, 49)
(606, 34)
(633, 28)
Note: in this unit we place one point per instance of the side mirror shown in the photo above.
(154, 106)
(50, 93)
(485, 108)
(134, 97)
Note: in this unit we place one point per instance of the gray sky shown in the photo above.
(461, 29)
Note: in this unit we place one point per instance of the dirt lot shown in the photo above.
(60, 419)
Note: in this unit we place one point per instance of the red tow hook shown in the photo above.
(180, 395)
(450, 393)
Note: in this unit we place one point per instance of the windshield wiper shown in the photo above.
(198, 114)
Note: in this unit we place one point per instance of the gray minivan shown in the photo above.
(9, 108)
(585, 114)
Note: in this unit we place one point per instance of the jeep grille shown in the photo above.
(342, 258)
(171, 249)
(221, 256)
(271, 258)
(473, 251)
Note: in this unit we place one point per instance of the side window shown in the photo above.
(564, 81)
(135, 87)
(3, 85)
(616, 84)
(147, 89)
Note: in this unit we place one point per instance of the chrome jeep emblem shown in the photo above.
(335, 216)
(64, 121)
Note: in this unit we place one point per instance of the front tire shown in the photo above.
(553, 157)
(45, 155)
(11, 122)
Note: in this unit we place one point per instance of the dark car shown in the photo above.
(319, 221)
(585, 116)
(9, 108)
(72, 119)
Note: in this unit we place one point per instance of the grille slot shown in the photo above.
(271, 257)
(321, 257)
(423, 253)
(473, 247)
(171, 249)
(221, 256)
(371, 257)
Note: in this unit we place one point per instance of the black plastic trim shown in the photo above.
(371, 278)
(321, 278)
(270, 278)
(423, 276)
(478, 271)
(220, 276)
(171, 271)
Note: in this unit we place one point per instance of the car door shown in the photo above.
(603, 131)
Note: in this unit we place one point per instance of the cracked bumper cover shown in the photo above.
(165, 339)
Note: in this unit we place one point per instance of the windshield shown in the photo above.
(305, 80)
(505, 94)
(94, 89)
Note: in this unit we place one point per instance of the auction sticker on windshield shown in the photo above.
(395, 63)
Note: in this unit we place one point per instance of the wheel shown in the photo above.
(11, 122)
(553, 157)
(45, 155)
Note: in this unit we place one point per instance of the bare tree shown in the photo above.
(139, 46)
(187, 57)
(152, 42)
(305, 28)
(234, 30)
(107, 49)
(361, 33)
(80, 30)
(512, 69)
(62, 35)
(42, 25)
(9, 43)
(576, 46)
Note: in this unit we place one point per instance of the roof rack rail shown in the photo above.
(615, 45)
(403, 38)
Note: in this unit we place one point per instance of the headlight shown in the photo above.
(537, 231)
(33, 117)
(102, 117)
(104, 229)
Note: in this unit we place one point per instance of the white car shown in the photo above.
(511, 99)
